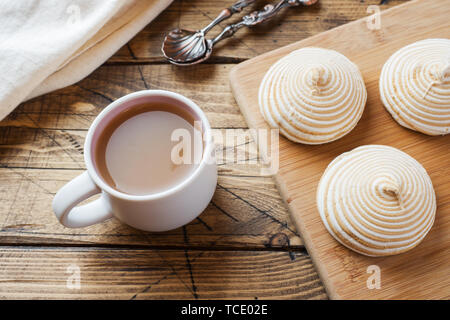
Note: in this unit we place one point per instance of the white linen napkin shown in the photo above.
(49, 44)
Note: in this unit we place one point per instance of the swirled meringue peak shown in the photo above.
(376, 200)
(415, 86)
(313, 95)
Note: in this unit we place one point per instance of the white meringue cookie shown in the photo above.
(313, 95)
(376, 200)
(415, 86)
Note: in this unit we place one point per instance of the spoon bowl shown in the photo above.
(185, 47)
(182, 46)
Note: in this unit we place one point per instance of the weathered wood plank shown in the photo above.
(246, 212)
(75, 107)
(48, 133)
(291, 25)
(36, 273)
(35, 148)
(40, 148)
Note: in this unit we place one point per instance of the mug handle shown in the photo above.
(74, 192)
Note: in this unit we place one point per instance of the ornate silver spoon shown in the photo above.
(183, 47)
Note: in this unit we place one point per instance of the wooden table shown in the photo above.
(244, 244)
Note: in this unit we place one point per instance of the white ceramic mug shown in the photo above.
(161, 211)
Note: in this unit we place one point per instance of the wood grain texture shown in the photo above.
(41, 149)
(422, 272)
(245, 213)
(37, 273)
(41, 146)
(291, 25)
(75, 107)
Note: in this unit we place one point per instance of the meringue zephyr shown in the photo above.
(415, 86)
(313, 95)
(376, 200)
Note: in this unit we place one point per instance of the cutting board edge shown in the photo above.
(321, 34)
(331, 292)
(243, 101)
(323, 274)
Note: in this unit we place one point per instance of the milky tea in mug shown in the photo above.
(150, 156)
(149, 148)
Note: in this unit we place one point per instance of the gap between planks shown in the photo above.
(96, 246)
(159, 61)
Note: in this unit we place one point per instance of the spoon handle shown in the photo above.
(228, 12)
(256, 17)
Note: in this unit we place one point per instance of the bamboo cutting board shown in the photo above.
(423, 272)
